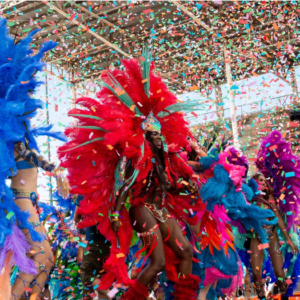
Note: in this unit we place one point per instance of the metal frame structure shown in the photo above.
(198, 44)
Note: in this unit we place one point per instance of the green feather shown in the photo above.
(86, 116)
(86, 143)
(186, 107)
(132, 179)
(147, 55)
(124, 97)
(91, 127)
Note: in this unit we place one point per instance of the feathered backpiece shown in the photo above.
(226, 188)
(109, 132)
(278, 164)
(18, 66)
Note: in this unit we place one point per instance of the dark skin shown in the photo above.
(274, 243)
(142, 220)
(201, 151)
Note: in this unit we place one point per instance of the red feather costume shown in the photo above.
(109, 129)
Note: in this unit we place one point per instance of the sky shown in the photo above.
(252, 95)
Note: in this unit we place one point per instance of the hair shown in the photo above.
(257, 175)
(159, 156)
(192, 155)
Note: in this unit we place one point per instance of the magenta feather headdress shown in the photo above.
(275, 156)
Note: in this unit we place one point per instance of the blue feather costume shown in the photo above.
(18, 66)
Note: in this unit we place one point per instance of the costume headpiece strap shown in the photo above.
(151, 124)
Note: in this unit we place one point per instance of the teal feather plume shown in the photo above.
(116, 88)
(146, 64)
(186, 107)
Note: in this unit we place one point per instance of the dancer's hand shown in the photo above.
(295, 249)
(63, 186)
(204, 149)
(199, 149)
(193, 144)
(115, 226)
(192, 187)
(77, 217)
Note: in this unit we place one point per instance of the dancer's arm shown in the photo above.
(281, 224)
(197, 148)
(37, 160)
(197, 166)
(190, 186)
(123, 194)
(33, 157)
(120, 201)
(77, 217)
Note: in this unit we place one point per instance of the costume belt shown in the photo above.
(161, 215)
(23, 194)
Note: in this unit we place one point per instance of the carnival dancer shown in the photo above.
(280, 194)
(119, 148)
(21, 233)
(242, 238)
(226, 198)
(218, 260)
(267, 201)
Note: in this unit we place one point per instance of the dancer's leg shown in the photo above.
(178, 244)
(142, 221)
(46, 294)
(196, 228)
(203, 292)
(41, 255)
(247, 286)
(145, 223)
(102, 295)
(277, 261)
(257, 258)
(188, 284)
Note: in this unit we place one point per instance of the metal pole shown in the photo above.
(48, 139)
(231, 99)
(73, 91)
(220, 108)
(294, 84)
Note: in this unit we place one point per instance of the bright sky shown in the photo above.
(252, 94)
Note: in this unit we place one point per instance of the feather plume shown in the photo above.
(282, 168)
(222, 189)
(146, 63)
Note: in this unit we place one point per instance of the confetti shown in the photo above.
(112, 292)
(10, 215)
(120, 255)
(263, 246)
